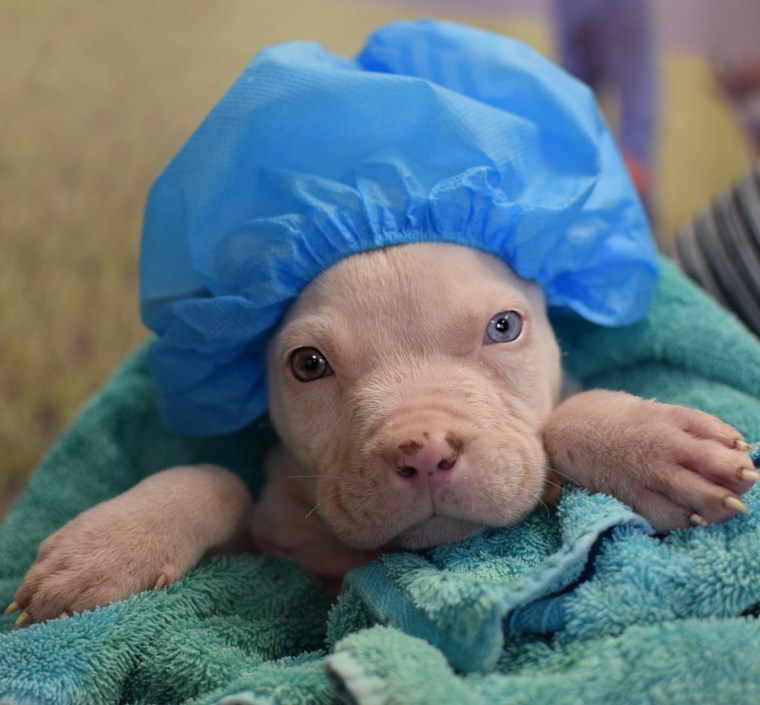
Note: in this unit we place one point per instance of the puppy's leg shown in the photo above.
(144, 538)
(675, 465)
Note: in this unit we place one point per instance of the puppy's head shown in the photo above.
(412, 384)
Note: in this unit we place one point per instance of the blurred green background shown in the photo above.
(96, 97)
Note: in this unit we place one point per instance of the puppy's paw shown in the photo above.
(101, 556)
(676, 466)
(697, 469)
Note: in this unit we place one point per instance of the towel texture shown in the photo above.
(579, 604)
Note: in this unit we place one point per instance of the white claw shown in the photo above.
(22, 619)
(698, 520)
(736, 504)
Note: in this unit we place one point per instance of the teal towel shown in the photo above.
(582, 603)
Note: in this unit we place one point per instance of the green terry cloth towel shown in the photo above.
(579, 604)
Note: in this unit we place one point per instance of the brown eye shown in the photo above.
(308, 364)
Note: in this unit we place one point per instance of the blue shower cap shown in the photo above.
(434, 132)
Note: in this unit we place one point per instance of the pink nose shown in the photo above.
(431, 455)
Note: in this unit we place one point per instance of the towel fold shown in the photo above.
(582, 603)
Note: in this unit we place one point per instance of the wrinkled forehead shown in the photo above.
(409, 288)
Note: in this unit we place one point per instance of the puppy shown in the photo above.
(416, 394)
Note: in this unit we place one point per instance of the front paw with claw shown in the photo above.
(143, 539)
(676, 466)
(103, 555)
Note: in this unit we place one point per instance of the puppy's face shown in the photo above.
(412, 383)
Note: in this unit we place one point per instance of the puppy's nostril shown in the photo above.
(436, 455)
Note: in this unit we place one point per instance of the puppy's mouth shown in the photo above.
(419, 520)
(435, 530)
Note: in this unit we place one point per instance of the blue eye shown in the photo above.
(504, 327)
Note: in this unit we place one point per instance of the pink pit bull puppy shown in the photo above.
(416, 394)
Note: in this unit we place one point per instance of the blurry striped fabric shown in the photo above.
(720, 249)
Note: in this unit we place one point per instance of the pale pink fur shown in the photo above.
(425, 432)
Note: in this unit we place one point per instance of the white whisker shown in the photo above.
(545, 506)
(289, 477)
(318, 504)
(561, 474)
